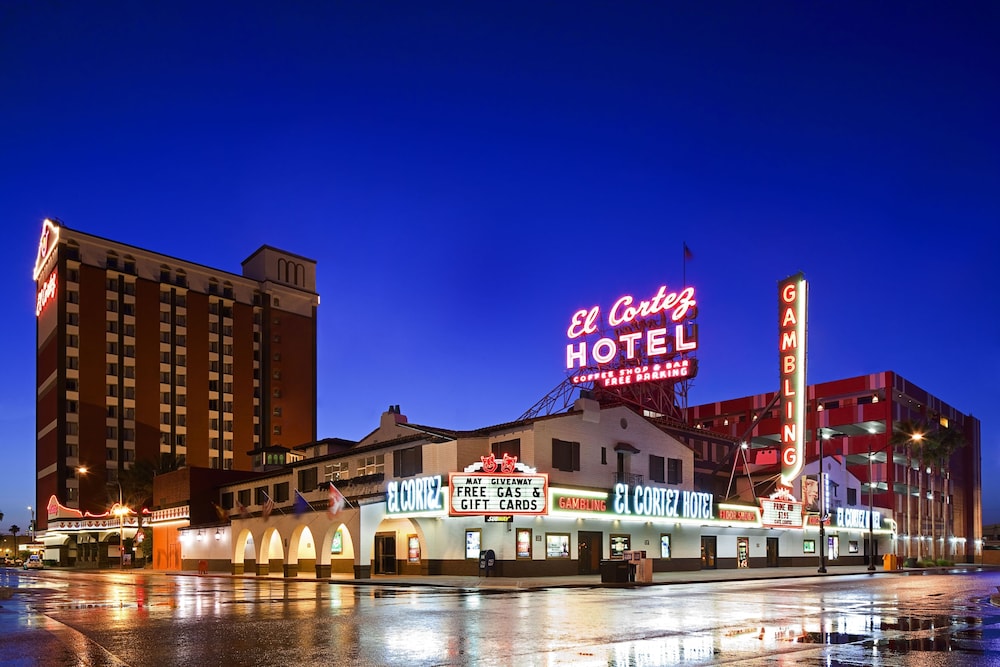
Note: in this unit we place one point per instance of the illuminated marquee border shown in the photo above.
(792, 298)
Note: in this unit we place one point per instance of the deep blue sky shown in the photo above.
(467, 175)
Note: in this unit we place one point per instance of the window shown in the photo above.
(112, 454)
(276, 430)
(308, 480)
(71, 385)
(71, 407)
(523, 544)
(260, 495)
(371, 465)
(565, 455)
(243, 497)
(557, 545)
(619, 545)
(604, 456)
(656, 469)
(508, 447)
(227, 501)
(852, 496)
(335, 471)
(675, 472)
(72, 340)
(473, 543)
(281, 492)
(408, 462)
(73, 363)
(277, 411)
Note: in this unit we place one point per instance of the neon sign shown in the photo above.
(421, 494)
(648, 337)
(46, 246)
(45, 293)
(792, 372)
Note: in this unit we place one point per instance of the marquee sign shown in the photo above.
(649, 341)
(484, 494)
(792, 373)
(491, 487)
(781, 510)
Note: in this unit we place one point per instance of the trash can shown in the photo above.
(889, 561)
(614, 572)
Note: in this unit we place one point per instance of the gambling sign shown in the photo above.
(792, 373)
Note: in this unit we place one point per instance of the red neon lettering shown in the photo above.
(788, 364)
(45, 293)
(787, 390)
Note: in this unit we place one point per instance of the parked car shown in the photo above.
(34, 562)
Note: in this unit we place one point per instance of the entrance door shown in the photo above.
(708, 552)
(589, 552)
(385, 553)
(772, 552)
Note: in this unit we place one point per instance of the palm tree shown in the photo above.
(949, 440)
(14, 530)
(909, 435)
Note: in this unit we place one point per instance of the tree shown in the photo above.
(14, 530)
(910, 435)
(949, 440)
(137, 489)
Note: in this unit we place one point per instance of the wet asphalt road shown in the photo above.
(146, 619)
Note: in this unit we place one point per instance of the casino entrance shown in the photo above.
(589, 552)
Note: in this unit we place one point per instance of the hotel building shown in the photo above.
(146, 357)
(937, 508)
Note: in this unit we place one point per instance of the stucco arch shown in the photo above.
(271, 552)
(244, 547)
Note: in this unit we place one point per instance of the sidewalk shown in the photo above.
(593, 580)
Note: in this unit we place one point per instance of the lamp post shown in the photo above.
(822, 508)
(871, 516)
(31, 526)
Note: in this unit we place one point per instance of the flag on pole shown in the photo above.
(301, 504)
(688, 255)
(268, 508)
(244, 512)
(220, 513)
(337, 501)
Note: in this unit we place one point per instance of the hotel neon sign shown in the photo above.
(792, 372)
(649, 336)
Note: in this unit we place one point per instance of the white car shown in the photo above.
(34, 562)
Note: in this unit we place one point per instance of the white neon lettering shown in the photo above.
(579, 355)
(656, 342)
(609, 347)
(583, 323)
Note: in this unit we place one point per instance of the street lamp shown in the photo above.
(871, 503)
(822, 508)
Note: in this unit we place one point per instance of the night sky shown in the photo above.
(467, 175)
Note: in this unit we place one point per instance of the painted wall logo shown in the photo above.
(792, 373)
(648, 340)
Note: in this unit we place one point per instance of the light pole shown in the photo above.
(822, 508)
(31, 526)
(871, 504)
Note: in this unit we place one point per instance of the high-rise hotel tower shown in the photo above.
(143, 356)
